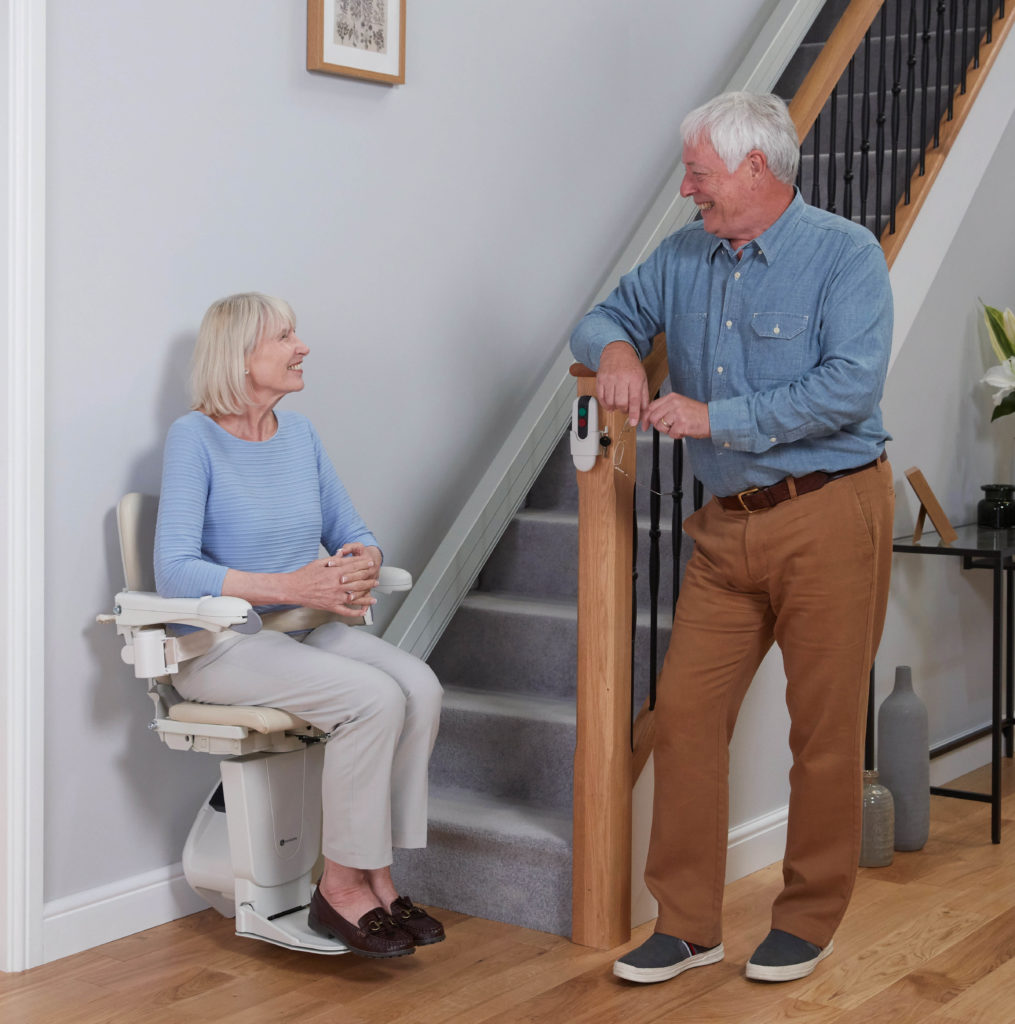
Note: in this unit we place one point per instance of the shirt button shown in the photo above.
(729, 323)
(775, 329)
(736, 276)
(725, 444)
(772, 439)
(718, 369)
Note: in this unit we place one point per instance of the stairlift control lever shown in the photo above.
(585, 433)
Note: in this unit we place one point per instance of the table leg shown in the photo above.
(995, 730)
(1009, 659)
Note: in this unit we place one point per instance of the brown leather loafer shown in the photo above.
(375, 934)
(423, 928)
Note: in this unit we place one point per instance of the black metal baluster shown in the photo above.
(896, 115)
(965, 43)
(699, 494)
(830, 177)
(847, 146)
(676, 522)
(910, 98)
(879, 145)
(865, 128)
(938, 81)
(654, 510)
(952, 40)
(924, 84)
(816, 165)
(977, 37)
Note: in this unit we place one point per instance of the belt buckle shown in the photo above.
(740, 498)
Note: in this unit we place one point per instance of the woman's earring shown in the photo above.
(246, 373)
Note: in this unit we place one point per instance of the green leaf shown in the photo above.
(1006, 407)
(998, 335)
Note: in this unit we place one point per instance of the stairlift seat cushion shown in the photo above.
(258, 719)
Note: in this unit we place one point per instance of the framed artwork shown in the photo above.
(362, 38)
(929, 507)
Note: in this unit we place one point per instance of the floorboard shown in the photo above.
(930, 939)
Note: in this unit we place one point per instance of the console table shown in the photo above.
(979, 548)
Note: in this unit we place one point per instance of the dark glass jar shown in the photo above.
(996, 510)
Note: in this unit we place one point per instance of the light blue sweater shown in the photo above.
(255, 506)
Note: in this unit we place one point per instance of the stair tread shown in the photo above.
(547, 515)
(460, 808)
(510, 705)
(511, 603)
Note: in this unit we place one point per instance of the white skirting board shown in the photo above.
(113, 911)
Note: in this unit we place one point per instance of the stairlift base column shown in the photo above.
(254, 858)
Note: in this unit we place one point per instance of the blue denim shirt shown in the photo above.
(789, 345)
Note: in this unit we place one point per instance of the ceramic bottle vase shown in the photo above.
(904, 760)
(878, 823)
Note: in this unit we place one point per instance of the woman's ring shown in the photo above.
(666, 425)
(348, 595)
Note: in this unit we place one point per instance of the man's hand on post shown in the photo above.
(621, 383)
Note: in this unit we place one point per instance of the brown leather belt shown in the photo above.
(754, 499)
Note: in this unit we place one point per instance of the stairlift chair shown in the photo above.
(252, 849)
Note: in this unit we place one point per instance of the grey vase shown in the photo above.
(904, 760)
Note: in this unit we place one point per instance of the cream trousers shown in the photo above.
(381, 705)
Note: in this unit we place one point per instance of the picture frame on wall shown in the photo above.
(361, 38)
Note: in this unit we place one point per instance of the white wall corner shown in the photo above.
(948, 200)
(21, 693)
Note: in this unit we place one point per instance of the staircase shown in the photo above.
(501, 772)
(855, 138)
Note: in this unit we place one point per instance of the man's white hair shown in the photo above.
(737, 122)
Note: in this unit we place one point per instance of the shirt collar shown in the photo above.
(773, 239)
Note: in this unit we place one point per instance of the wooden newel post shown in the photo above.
(601, 877)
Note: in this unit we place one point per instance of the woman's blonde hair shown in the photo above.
(229, 332)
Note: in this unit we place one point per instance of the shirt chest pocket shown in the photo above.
(777, 346)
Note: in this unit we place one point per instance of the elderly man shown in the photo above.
(778, 321)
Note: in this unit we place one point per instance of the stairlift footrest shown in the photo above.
(291, 931)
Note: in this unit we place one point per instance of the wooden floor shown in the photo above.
(930, 939)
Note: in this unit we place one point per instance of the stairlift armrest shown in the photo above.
(136, 608)
(392, 579)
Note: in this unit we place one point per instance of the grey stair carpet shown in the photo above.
(501, 775)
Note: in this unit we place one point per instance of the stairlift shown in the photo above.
(252, 849)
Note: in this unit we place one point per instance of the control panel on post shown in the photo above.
(587, 440)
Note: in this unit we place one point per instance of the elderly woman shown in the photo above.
(248, 498)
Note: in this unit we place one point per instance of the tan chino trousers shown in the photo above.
(810, 574)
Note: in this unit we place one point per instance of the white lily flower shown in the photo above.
(1001, 377)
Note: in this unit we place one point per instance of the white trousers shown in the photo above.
(381, 705)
